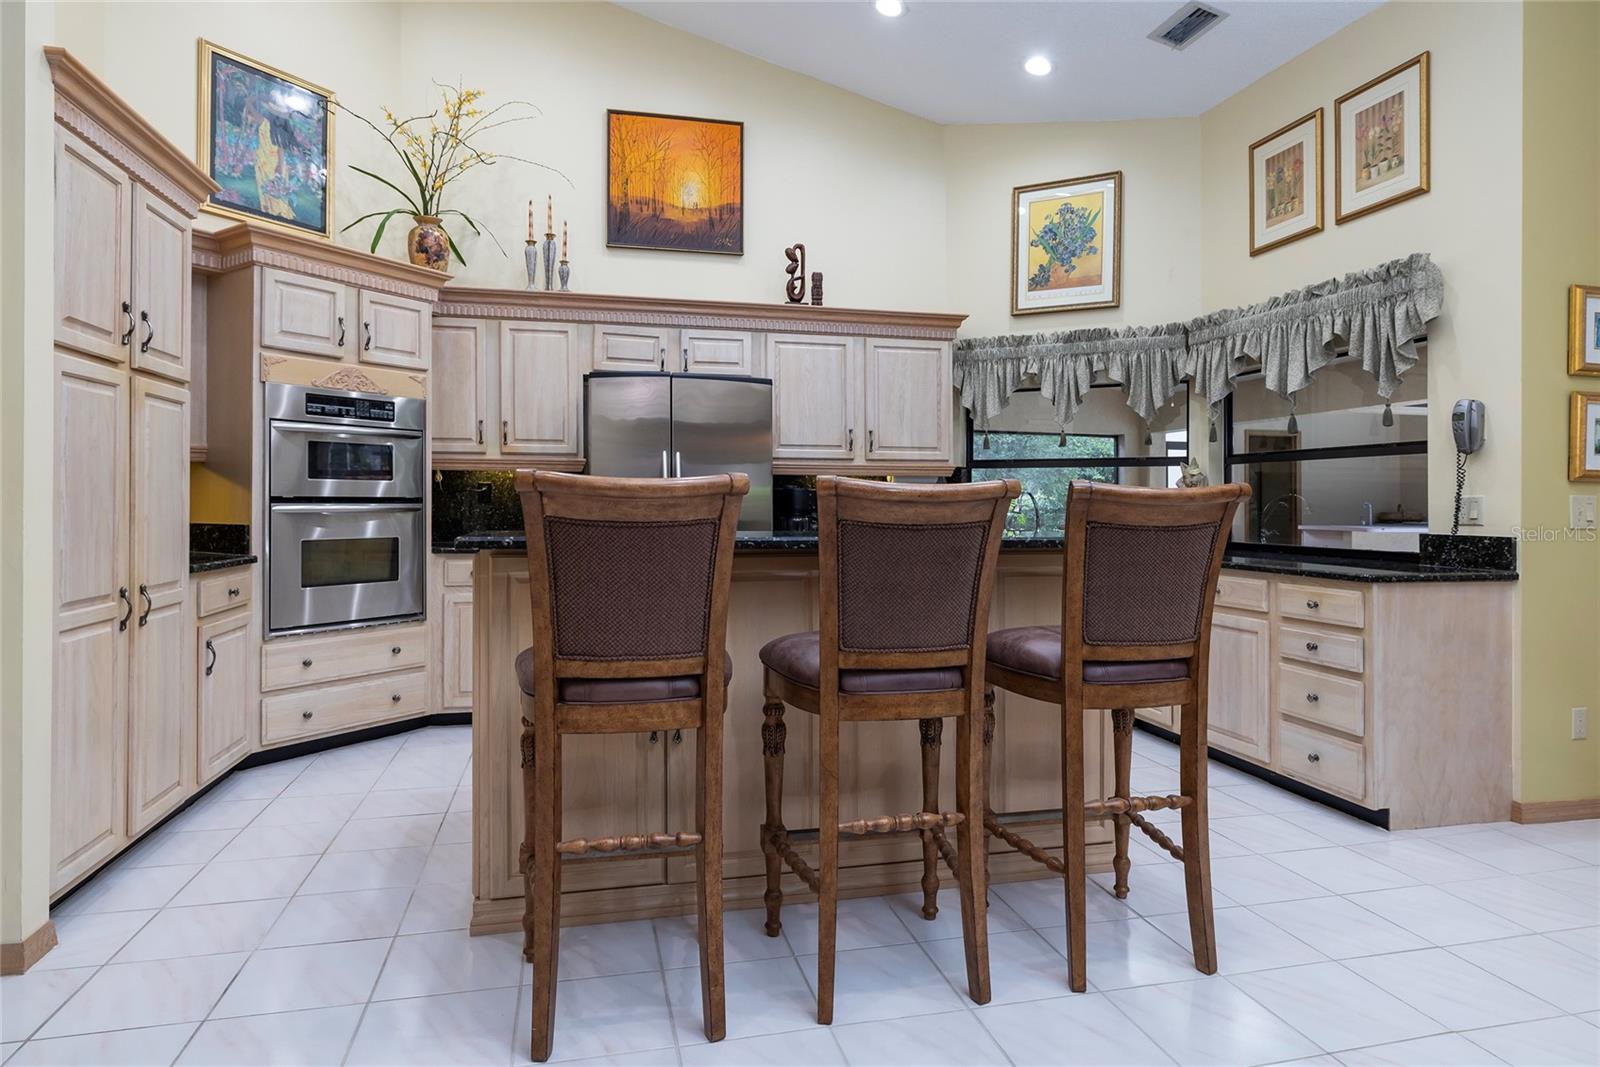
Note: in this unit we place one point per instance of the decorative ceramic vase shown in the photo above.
(549, 261)
(530, 256)
(566, 273)
(427, 245)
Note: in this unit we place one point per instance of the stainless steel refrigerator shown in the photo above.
(652, 425)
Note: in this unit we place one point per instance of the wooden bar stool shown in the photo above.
(905, 579)
(1139, 582)
(630, 585)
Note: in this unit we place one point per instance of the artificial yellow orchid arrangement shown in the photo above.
(436, 149)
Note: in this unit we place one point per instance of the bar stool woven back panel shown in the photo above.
(1145, 585)
(909, 588)
(632, 590)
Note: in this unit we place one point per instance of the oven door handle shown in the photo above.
(341, 509)
(336, 427)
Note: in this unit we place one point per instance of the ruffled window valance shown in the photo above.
(1377, 314)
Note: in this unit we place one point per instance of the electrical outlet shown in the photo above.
(1581, 512)
(1472, 511)
(1580, 724)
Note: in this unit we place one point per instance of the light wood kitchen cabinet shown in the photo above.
(459, 387)
(632, 348)
(540, 387)
(1238, 704)
(162, 286)
(394, 330)
(456, 649)
(717, 352)
(224, 661)
(94, 233)
(816, 396)
(909, 400)
(305, 314)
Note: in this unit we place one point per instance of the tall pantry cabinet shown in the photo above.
(123, 749)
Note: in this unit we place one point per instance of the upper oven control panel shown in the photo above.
(339, 407)
(333, 406)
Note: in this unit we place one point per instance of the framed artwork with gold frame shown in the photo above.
(1286, 184)
(674, 183)
(1066, 244)
(1583, 330)
(1380, 141)
(1583, 438)
(266, 137)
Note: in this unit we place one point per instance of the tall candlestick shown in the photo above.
(563, 238)
(530, 220)
(550, 216)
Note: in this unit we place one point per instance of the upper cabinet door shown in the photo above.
(162, 286)
(94, 207)
(394, 330)
(717, 352)
(909, 401)
(539, 386)
(816, 396)
(458, 387)
(636, 348)
(300, 313)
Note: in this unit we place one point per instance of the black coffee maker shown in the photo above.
(794, 506)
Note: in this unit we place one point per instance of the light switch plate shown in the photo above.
(1580, 724)
(1581, 512)
(1472, 511)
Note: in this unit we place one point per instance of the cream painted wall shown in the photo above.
(862, 185)
(1560, 570)
(1468, 221)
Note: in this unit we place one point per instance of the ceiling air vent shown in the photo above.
(1186, 24)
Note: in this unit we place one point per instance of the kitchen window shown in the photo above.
(1108, 442)
(1338, 469)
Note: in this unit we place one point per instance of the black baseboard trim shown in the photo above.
(1378, 818)
(278, 755)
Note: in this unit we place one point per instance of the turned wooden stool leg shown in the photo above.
(988, 774)
(708, 882)
(772, 739)
(1196, 838)
(1122, 731)
(932, 731)
(1072, 844)
(525, 853)
(828, 864)
(970, 852)
(545, 822)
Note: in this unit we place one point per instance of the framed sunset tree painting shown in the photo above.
(674, 183)
(266, 137)
(1286, 184)
(1066, 245)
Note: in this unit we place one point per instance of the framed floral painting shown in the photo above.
(1286, 184)
(1066, 245)
(1583, 438)
(266, 138)
(1583, 331)
(1380, 141)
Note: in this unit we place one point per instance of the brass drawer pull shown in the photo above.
(1311, 646)
(1313, 758)
(1312, 698)
(1313, 604)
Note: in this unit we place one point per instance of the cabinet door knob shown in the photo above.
(677, 737)
(1313, 604)
(505, 431)
(233, 590)
(122, 623)
(1311, 646)
(305, 662)
(395, 651)
(366, 335)
(655, 736)
(211, 664)
(850, 439)
(872, 440)
(305, 714)
(127, 309)
(1312, 698)
(394, 698)
(480, 431)
(150, 331)
(1314, 758)
(144, 616)
(341, 331)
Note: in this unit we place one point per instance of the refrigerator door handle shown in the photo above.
(677, 464)
(664, 473)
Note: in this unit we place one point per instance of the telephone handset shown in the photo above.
(1466, 426)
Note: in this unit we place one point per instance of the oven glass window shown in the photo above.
(350, 461)
(349, 561)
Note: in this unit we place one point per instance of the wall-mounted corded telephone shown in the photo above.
(1466, 426)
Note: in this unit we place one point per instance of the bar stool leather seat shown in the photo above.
(798, 657)
(619, 690)
(1036, 650)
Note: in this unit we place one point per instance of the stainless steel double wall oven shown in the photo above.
(346, 475)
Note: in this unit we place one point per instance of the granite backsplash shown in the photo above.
(469, 501)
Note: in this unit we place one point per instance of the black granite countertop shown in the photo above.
(201, 561)
(1296, 566)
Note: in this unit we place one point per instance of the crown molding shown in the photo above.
(246, 244)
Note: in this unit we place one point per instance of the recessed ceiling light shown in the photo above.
(1038, 66)
(892, 9)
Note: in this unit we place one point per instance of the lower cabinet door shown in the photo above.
(456, 649)
(1237, 705)
(222, 685)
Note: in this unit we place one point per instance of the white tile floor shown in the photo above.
(314, 912)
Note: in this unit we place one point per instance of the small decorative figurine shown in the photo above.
(1193, 477)
(816, 288)
(566, 271)
(530, 254)
(550, 243)
(795, 287)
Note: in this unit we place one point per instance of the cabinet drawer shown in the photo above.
(1341, 607)
(230, 589)
(1247, 593)
(458, 571)
(1322, 760)
(1342, 651)
(324, 659)
(1326, 698)
(330, 708)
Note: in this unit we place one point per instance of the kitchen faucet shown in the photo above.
(1261, 521)
(1035, 501)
